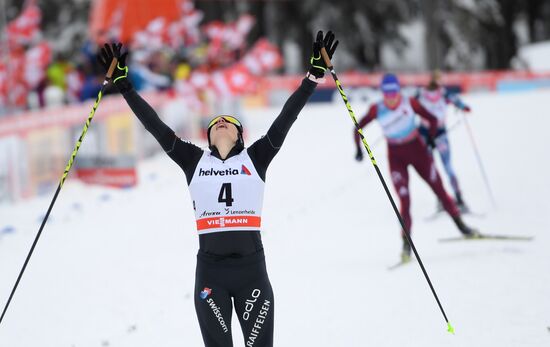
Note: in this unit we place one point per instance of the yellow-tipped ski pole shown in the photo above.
(62, 181)
(373, 161)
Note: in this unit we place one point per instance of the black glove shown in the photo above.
(359, 155)
(431, 143)
(318, 66)
(120, 74)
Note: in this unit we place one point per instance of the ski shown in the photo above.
(399, 264)
(438, 214)
(488, 237)
(434, 216)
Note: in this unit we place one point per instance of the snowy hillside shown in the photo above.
(116, 268)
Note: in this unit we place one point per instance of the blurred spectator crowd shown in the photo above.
(183, 57)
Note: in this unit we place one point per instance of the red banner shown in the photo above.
(112, 177)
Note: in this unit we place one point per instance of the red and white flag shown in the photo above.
(26, 27)
(233, 80)
(263, 57)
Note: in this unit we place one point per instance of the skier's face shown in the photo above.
(392, 98)
(436, 77)
(223, 130)
(433, 95)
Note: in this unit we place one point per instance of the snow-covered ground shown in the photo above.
(116, 267)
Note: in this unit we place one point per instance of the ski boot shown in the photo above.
(461, 204)
(406, 252)
(466, 231)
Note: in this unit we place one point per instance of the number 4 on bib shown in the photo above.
(226, 191)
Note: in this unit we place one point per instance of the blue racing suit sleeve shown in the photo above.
(454, 99)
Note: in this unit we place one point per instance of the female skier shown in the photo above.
(435, 99)
(226, 182)
(396, 115)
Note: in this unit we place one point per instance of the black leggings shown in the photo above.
(243, 279)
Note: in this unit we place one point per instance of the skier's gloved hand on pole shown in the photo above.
(432, 136)
(119, 78)
(431, 143)
(466, 109)
(318, 66)
(359, 155)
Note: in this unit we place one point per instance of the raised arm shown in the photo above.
(185, 154)
(453, 98)
(264, 150)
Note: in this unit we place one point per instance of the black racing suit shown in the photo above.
(230, 265)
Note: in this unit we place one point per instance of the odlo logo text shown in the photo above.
(249, 305)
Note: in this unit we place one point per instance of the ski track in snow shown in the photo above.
(116, 267)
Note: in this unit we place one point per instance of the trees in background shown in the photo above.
(485, 33)
(460, 34)
(481, 34)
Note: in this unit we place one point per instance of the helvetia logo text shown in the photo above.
(213, 172)
(225, 172)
